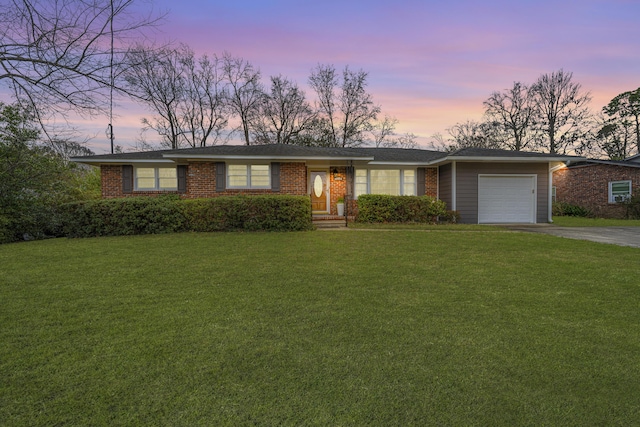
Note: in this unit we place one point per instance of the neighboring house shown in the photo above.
(598, 184)
(484, 186)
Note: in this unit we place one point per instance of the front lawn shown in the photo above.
(320, 328)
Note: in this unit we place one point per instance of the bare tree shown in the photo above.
(205, 105)
(284, 114)
(56, 56)
(384, 135)
(188, 95)
(472, 134)
(560, 108)
(346, 108)
(156, 77)
(324, 82)
(512, 111)
(407, 140)
(245, 91)
(357, 108)
(383, 131)
(439, 142)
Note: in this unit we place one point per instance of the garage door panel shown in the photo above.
(506, 199)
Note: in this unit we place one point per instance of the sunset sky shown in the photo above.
(430, 63)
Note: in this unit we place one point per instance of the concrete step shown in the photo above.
(329, 223)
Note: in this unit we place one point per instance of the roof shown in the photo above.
(593, 162)
(634, 159)
(283, 152)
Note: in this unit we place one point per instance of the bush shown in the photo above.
(251, 213)
(450, 217)
(384, 208)
(169, 214)
(567, 209)
(633, 206)
(118, 217)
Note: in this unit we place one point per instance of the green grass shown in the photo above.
(423, 226)
(320, 328)
(574, 221)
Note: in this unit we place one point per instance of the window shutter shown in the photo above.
(221, 176)
(275, 176)
(127, 178)
(182, 178)
(421, 188)
(350, 181)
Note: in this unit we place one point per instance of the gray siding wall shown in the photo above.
(444, 184)
(467, 183)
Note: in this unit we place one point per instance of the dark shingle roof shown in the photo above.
(275, 151)
(267, 150)
(487, 152)
(591, 162)
(283, 151)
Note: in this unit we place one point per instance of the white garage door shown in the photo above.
(506, 199)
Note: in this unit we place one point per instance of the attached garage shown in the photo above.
(498, 187)
(506, 199)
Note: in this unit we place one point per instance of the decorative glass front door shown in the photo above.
(319, 191)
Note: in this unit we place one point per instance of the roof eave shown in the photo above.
(98, 162)
(402, 163)
(503, 159)
(263, 157)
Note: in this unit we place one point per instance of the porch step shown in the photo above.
(329, 223)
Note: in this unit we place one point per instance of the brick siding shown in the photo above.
(588, 186)
(201, 183)
(431, 182)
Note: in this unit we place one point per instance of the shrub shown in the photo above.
(450, 217)
(251, 213)
(169, 214)
(567, 209)
(118, 217)
(633, 206)
(384, 208)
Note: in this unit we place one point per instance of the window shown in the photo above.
(156, 179)
(619, 191)
(394, 182)
(553, 193)
(360, 182)
(248, 176)
(384, 182)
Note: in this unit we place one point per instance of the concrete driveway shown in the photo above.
(622, 236)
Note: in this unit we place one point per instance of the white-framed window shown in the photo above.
(553, 193)
(156, 178)
(619, 191)
(394, 182)
(248, 176)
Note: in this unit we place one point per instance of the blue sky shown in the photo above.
(430, 63)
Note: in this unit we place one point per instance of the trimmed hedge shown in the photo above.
(384, 208)
(169, 214)
(250, 213)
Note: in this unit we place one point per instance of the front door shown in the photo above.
(319, 191)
